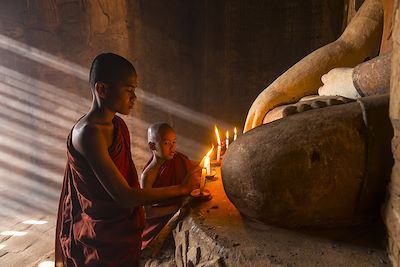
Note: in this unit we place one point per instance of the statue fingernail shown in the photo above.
(332, 102)
(318, 104)
(290, 110)
(303, 107)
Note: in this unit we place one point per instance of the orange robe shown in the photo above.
(92, 229)
(172, 172)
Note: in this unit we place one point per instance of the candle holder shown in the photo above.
(201, 196)
(212, 176)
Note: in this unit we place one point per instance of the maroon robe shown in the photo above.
(172, 172)
(92, 229)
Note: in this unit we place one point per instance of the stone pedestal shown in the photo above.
(215, 234)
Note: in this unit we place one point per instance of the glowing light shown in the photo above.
(227, 140)
(217, 135)
(34, 222)
(13, 233)
(207, 165)
(219, 143)
(46, 264)
(234, 134)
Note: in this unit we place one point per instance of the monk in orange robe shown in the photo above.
(100, 218)
(166, 167)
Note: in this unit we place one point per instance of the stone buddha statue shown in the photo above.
(321, 160)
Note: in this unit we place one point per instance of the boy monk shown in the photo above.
(166, 167)
(100, 218)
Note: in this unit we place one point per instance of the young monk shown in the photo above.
(166, 167)
(100, 218)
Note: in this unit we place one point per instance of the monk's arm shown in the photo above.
(359, 41)
(152, 212)
(93, 146)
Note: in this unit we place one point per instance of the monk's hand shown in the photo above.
(192, 179)
(338, 81)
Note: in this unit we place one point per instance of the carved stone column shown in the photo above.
(392, 211)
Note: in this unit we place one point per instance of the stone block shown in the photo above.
(323, 167)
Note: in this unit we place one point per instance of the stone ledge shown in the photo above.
(215, 234)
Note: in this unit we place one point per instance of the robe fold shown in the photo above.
(92, 229)
(172, 172)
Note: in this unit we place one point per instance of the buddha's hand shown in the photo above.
(338, 81)
(256, 113)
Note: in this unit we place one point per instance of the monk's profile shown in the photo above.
(166, 167)
(100, 216)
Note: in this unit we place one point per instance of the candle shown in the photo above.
(234, 134)
(227, 139)
(219, 143)
(207, 165)
(202, 180)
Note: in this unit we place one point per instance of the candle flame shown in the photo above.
(210, 151)
(202, 163)
(227, 134)
(217, 134)
(206, 161)
(235, 130)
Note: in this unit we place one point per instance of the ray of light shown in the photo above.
(13, 233)
(178, 110)
(26, 149)
(43, 57)
(32, 167)
(29, 134)
(45, 90)
(35, 222)
(46, 264)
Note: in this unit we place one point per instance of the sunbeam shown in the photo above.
(43, 57)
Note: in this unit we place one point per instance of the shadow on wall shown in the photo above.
(36, 117)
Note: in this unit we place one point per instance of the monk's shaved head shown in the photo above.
(156, 130)
(110, 68)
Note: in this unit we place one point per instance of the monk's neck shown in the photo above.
(101, 114)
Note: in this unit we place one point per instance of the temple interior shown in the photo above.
(308, 182)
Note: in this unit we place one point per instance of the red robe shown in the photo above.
(92, 229)
(172, 172)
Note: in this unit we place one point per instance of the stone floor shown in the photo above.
(31, 244)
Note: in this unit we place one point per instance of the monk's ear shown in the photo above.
(101, 89)
(152, 146)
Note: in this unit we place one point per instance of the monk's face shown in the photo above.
(121, 96)
(166, 144)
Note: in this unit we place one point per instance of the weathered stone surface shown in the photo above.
(392, 209)
(215, 234)
(323, 167)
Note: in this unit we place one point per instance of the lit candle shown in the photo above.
(219, 144)
(207, 165)
(234, 134)
(227, 139)
(202, 180)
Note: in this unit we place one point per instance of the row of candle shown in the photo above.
(206, 170)
(226, 141)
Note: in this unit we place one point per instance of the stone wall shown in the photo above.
(199, 63)
(392, 210)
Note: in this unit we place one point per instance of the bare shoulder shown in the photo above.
(148, 176)
(87, 137)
